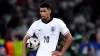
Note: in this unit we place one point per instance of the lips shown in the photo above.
(43, 16)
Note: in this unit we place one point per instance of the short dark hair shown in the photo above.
(45, 5)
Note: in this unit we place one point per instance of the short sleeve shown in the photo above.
(63, 28)
(31, 30)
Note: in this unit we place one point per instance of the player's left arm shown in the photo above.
(65, 31)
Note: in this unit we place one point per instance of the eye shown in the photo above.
(44, 11)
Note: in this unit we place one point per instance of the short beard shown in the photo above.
(45, 19)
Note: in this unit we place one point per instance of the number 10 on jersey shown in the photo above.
(46, 39)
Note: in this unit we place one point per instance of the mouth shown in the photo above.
(43, 16)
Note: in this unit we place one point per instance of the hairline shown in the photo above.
(46, 7)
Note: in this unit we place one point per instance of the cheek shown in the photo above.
(47, 13)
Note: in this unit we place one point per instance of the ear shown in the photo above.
(49, 11)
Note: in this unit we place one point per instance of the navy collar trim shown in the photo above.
(46, 22)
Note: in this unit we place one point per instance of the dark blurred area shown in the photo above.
(82, 17)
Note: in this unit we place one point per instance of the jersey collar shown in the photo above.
(47, 21)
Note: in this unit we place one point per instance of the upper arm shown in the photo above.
(68, 35)
(26, 38)
(31, 30)
(63, 28)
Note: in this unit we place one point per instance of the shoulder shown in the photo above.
(36, 22)
(58, 20)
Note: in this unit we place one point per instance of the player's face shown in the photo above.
(45, 13)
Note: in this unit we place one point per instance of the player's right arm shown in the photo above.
(27, 36)
(24, 45)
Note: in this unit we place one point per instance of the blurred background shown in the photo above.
(82, 17)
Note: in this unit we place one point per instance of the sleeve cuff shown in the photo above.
(66, 33)
(28, 34)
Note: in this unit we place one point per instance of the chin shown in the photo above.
(43, 18)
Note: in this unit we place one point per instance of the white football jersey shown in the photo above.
(48, 34)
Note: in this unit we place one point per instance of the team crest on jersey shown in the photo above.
(53, 29)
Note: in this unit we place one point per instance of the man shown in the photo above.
(47, 29)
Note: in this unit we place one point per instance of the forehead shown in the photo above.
(43, 9)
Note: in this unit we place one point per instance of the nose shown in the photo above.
(42, 13)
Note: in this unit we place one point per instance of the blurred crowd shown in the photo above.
(82, 17)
